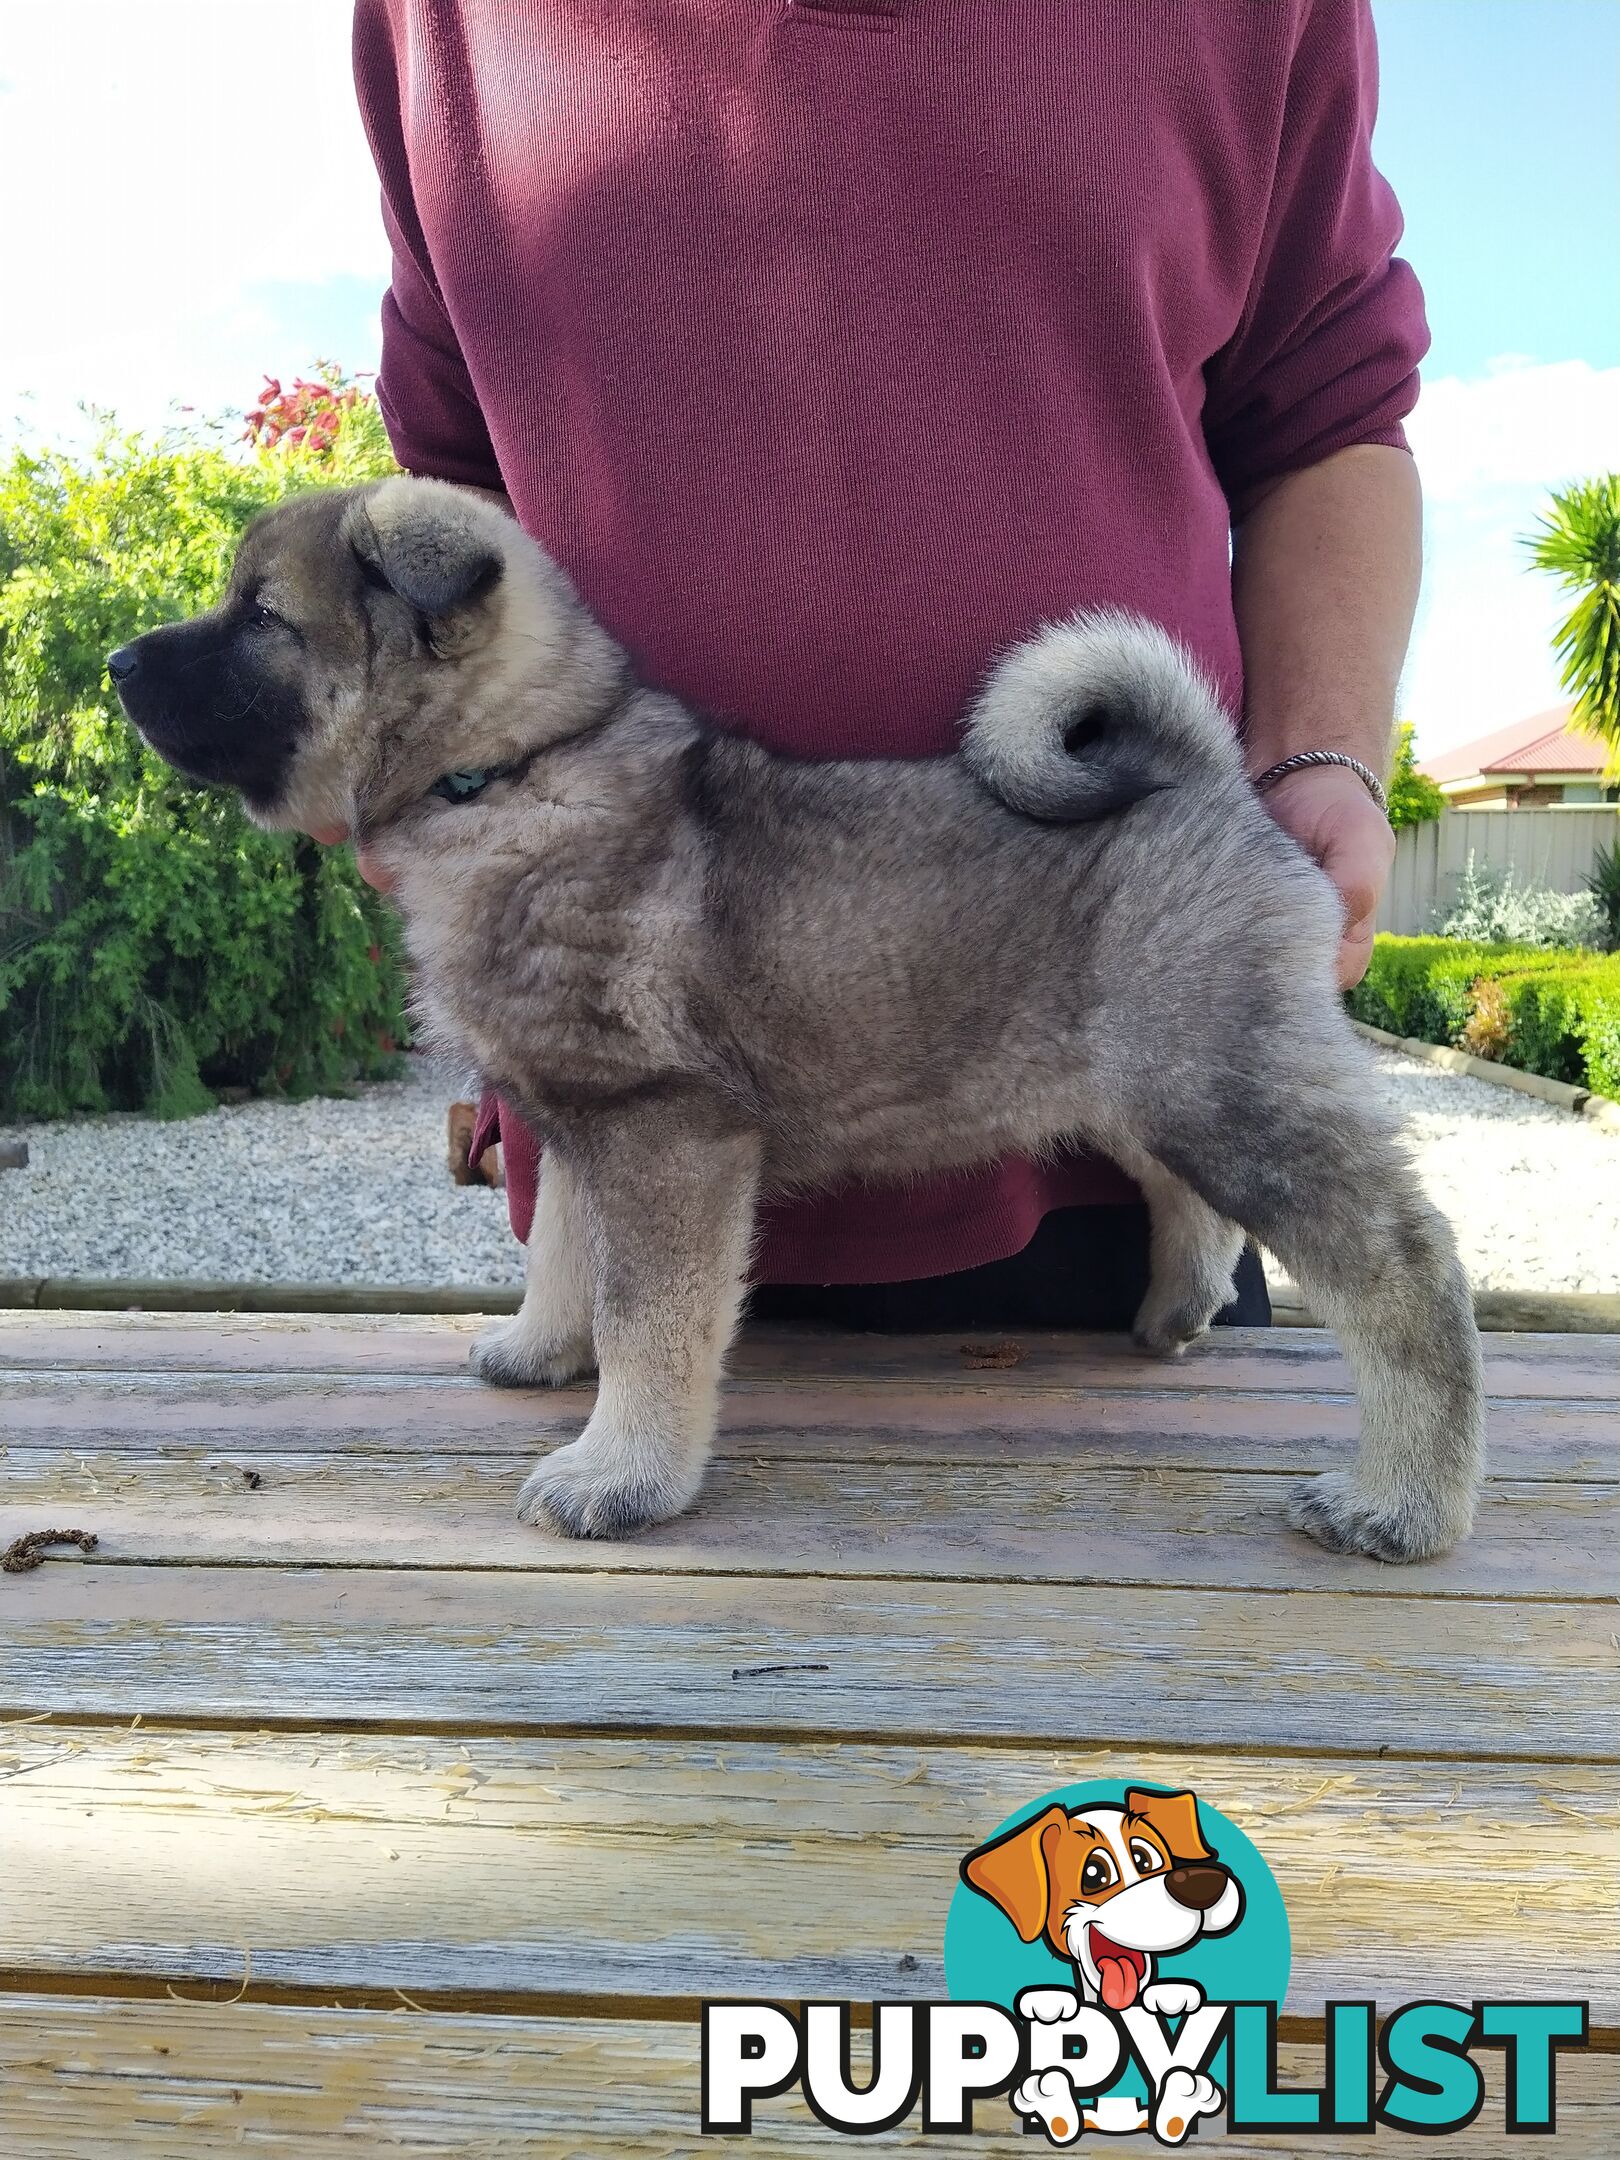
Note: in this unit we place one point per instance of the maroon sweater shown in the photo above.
(833, 344)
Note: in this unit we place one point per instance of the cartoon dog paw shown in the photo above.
(1049, 2097)
(1047, 2005)
(1184, 2096)
(1172, 1998)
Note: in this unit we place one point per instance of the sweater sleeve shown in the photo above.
(429, 404)
(1326, 351)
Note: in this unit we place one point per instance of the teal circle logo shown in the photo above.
(1121, 1893)
(988, 1960)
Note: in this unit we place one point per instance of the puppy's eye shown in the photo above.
(1146, 1859)
(1098, 1872)
(261, 617)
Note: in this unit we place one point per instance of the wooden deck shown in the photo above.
(340, 1814)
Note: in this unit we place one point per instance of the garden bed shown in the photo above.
(1552, 1012)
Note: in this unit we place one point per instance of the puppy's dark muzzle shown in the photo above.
(1198, 1888)
(168, 724)
(218, 715)
(140, 692)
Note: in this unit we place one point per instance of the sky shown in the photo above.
(190, 202)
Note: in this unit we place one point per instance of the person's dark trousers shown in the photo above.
(1084, 1268)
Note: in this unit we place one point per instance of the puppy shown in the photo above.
(1113, 1889)
(704, 971)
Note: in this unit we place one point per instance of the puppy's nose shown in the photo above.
(122, 664)
(1198, 1888)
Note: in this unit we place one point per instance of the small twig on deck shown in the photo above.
(26, 1553)
(759, 1672)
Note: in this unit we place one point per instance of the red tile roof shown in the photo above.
(1541, 744)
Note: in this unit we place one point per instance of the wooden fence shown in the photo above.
(1551, 847)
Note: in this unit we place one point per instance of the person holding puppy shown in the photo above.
(833, 346)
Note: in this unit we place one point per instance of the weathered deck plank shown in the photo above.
(1000, 1661)
(948, 1420)
(914, 1595)
(1004, 1522)
(80, 2079)
(1263, 1359)
(642, 1867)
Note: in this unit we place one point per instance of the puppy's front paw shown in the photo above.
(1336, 1511)
(1047, 2005)
(597, 1488)
(511, 1354)
(1172, 1998)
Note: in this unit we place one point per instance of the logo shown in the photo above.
(1116, 1956)
(1095, 1919)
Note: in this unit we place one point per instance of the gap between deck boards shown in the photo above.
(1302, 2031)
(782, 1735)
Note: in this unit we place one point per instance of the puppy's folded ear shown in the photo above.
(1012, 1872)
(427, 542)
(1175, 1816)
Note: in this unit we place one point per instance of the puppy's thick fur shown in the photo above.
(703, 971)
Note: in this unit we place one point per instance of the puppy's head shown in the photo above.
(1109, 1888)
(367, 648)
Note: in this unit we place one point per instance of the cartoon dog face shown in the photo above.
(1110, 1888)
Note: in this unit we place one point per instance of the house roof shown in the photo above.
(1541, 744)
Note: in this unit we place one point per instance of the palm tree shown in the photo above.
(1579, 542)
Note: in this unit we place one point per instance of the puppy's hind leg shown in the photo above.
(1192, 1256)
(547, 1342)
(1379, 1263)
(1306, 1167)
(669, 1202)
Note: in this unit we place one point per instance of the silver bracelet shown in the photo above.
(1301, 759)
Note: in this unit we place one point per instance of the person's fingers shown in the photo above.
(1357, 884)
(376, 875)
(1355, 952)
(1333, 818)
(329, 835)
(1357, 858)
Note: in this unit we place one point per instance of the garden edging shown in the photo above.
(1581, 1101)
(1528, 1312)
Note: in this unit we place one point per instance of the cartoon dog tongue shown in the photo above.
(1118, 1971)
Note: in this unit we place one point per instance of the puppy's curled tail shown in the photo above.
(1091, 715)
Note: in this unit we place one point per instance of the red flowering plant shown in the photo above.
(329, 417)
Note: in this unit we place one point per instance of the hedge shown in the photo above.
(1551, 1012)
(155, 946)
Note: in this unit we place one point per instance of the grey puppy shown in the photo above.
(705, 971)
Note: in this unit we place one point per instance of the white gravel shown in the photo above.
(323, 1191)
(358, 1192)
(1533, 1192)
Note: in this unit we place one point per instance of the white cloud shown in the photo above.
(164, 165)
(1490, 451)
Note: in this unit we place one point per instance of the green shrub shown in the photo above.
(1566, 1024)
(153, 944)
(1421, 986)
(1549, 1012)
(1414, 799)
(1604, 886)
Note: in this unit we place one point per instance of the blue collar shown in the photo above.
(456, 787)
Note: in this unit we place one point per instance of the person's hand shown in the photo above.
(370, 868)
(1334, 819)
